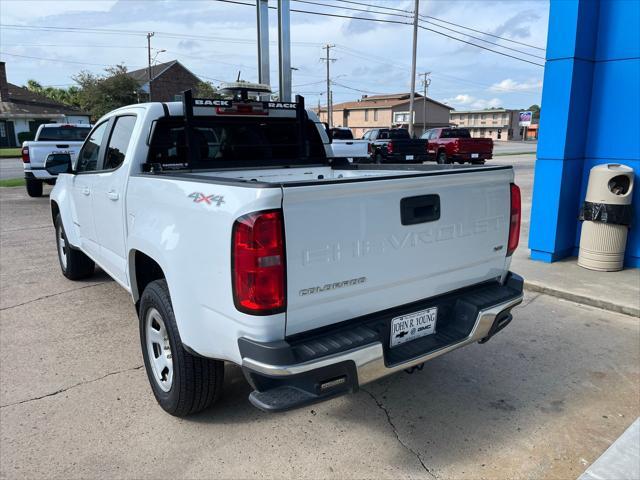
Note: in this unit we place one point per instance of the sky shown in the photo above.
(48, 41)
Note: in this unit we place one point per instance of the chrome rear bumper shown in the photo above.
(369, 360)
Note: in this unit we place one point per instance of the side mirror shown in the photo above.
(57, 163)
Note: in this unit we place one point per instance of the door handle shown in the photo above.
(113, 195)
(86, 191)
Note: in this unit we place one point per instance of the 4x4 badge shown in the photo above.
(199, 197)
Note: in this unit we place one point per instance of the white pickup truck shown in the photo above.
(240, 242)
(343, 145)
(50, 139)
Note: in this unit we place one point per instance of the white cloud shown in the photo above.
(26, 12)
(464, 100)
(374, 57)
(509, 85)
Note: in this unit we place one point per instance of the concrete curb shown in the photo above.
(505, 154)
(583, 299)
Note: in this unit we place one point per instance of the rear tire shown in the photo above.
(181, 382)
(34, 187)
(442, 158)
(74, 264)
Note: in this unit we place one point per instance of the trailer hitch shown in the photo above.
(414, 368)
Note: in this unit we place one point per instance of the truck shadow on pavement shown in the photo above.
(524, 390)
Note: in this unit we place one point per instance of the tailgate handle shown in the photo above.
(62, 146)
(420, 209)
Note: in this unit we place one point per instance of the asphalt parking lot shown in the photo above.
(541, 400)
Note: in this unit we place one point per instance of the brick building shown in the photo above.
(168, 80)
(380, 111)
(497, 123)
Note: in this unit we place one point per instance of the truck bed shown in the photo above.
(270, 177)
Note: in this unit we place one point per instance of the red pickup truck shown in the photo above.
(448, 145)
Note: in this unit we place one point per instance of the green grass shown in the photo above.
(9, 152)
(12, 182)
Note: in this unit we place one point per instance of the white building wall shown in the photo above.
(20, 125)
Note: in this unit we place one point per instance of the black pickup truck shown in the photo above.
(395, 145)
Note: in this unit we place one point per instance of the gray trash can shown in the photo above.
(606, 215)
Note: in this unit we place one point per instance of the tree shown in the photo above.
(67, 96)
(100, 94)
(206, 90)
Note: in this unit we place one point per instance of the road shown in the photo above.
(543, 399)
(11, 168)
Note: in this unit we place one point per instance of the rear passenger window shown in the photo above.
(119, 141)
(88, 157)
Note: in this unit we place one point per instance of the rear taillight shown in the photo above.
(514, 223)
(258, 263)
(25, 155)
(390, 147)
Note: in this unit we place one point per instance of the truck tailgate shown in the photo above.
(409, 147)
(39, 151)
(354, 248)
(475, 145)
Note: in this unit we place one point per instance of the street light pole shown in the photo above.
(149, 35)
(426, 81)
(413, 64)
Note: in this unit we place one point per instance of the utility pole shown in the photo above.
(426, 81)
(413, 64)
(328, 59)
(149, 35)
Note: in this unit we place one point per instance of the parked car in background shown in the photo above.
(448, 145)
(395, 145)
(343, 145)
(239, 241)
(51, 138)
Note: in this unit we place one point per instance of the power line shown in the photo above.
(485, 33)
(483, 48)
(60, 60)
(385, 61)
(443, 21)
(143, 33)
(426, 21)
(357, 89)
(324, 14)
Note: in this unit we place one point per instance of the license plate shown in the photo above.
(413, 325)
(409, 157)
(474, 155)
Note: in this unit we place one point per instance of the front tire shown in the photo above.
(34, 187)
(74, 264)
(181, 382)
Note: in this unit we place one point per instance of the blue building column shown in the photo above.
(590, 114)
(563, 124)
